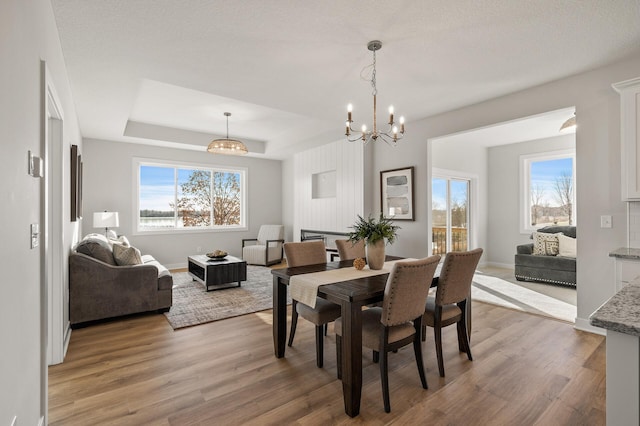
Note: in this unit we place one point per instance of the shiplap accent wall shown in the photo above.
(329, 214)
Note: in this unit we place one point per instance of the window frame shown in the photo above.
(525, 184)
(244, 208)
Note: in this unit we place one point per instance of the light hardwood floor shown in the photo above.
(526, 370)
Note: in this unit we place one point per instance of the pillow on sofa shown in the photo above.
(125, 256)
(96, 246)
(567, 246)
(120, 240)
(545, 244)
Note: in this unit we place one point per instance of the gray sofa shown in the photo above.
(547, 269)
(99, 288)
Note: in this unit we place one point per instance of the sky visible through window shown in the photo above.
(544, 173)
(157, 188)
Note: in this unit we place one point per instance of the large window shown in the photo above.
(548, 189)
(187, 197)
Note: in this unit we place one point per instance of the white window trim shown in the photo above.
(525, 173)
(138, 161)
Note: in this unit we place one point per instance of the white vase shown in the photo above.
(375, 255)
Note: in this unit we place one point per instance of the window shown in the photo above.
(548, 190)
(173, 197)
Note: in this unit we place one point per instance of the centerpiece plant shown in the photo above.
(376, 233)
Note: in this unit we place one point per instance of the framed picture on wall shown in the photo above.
(396, 193)
(73, 161)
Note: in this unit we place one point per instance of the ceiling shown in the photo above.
(163, 72)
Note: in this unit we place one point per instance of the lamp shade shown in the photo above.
(569, 125)
(105, 220)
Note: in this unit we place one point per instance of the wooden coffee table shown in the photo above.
(217, 274)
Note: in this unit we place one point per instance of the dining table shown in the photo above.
(351, 295)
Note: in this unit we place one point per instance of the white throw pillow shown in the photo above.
(545, 244)
(567, 246)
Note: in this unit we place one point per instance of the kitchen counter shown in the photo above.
(621, 313)
(626, 253)
(620, 316)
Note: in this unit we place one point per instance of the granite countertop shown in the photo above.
(626, 253)
(621, 313)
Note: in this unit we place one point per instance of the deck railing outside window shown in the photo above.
(439, 238)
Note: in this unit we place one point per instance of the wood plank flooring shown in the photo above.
(527, 370)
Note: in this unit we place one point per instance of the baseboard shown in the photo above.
(583, 324)
(67, 339)
(500, 265)
(176, 266)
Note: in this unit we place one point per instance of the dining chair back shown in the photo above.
(398, 322)
(449, 306)
(303, 254)
(348, 250)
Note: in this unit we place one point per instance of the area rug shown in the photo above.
(511, 294)
(192, 305)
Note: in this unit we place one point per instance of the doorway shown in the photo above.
(450, 201)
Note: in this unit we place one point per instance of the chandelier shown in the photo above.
(227, 146)
(392, 133)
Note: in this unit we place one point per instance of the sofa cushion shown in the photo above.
(557, 263)
(545, 244)
(567, 246)
(126, 255)
(96, 246)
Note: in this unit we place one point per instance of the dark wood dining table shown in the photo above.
(351, 295)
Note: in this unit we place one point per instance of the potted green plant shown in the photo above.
(376, 233)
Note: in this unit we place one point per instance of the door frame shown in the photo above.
(473, 179)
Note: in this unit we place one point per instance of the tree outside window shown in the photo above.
(549, 190)
(189, 198)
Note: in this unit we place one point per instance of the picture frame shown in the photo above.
(76, 184)
(397, 193)
(73, 161)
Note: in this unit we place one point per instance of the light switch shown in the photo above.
(606, 221)
(35, 235)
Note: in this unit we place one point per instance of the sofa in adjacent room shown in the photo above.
(109, 278)
(551, 258)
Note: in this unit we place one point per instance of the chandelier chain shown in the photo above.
(373, 75)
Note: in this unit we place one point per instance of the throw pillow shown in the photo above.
(545, 244)
(126, 255)
(567, 246)
(120, 240)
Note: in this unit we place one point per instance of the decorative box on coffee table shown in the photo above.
(217, 274)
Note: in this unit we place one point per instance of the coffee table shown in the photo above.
(217, 274)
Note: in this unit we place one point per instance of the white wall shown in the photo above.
(504, 195)
(109, 185)
(335, 213)
(27, 35)
(597, 156)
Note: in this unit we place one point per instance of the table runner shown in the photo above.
(304, 287)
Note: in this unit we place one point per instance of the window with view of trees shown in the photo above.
(184, 197)
(548, 193)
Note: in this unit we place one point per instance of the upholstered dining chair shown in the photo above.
(310, 253)
(398, 322)
(449, 306)
(266, 249)
(348, 250)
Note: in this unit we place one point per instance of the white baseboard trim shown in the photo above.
(500, 265)
(583, 324)
(176, 266)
